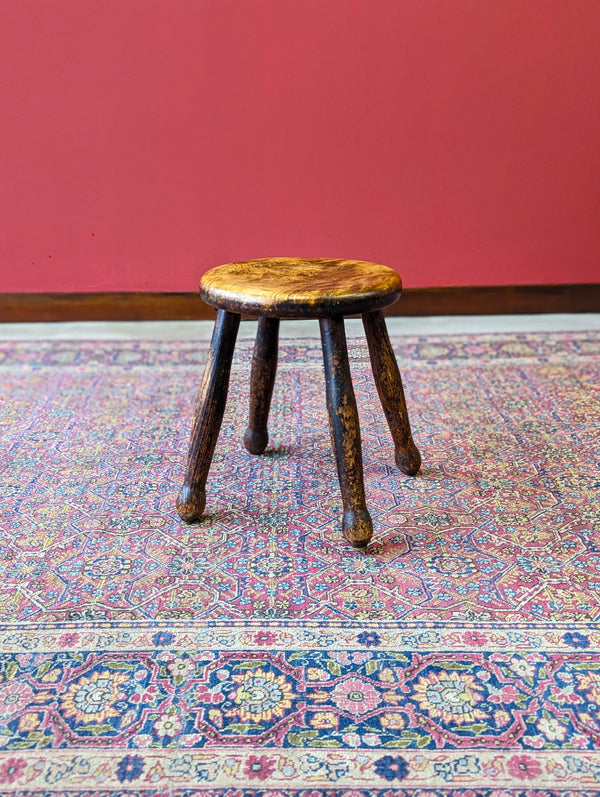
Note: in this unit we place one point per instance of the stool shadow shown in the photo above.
(277, 452)
(385, 546)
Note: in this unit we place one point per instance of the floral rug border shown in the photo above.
(258, 635)
(111, 769)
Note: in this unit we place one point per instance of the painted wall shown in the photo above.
(144, 141)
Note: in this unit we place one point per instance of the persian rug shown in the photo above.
(256, 653)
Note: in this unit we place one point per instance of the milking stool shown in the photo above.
(276, 288)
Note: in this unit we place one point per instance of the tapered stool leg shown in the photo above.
(208, 416)
(357, 525)
(391, 393)
(262, 379)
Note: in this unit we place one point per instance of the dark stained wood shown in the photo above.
(357, 525)
(152, 306)
(498, 300)
(117, 306)
(210, 407)
(291, 287)
(262, 379)
(391, 392)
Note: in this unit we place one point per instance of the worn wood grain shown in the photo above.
(297, 288)
(357, 526)
(210, 407)
(300, 287)
(262, 379)
(391, 392)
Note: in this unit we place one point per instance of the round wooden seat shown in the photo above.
(294, 287)
(289, 287)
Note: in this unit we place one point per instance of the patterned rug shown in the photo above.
(257, 653)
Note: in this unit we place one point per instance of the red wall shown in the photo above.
(143, 141)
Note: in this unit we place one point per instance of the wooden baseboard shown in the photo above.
(458, 300)
(117, 306)
(500, 300)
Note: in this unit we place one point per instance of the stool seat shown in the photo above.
(294, 287)
(289, 287)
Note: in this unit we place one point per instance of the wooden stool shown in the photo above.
(300, 288)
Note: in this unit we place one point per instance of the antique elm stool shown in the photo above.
(277, 288)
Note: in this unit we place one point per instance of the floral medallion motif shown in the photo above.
(356, 696)
(450, 696)
(14, 696)
(93, 699)
(261, 696)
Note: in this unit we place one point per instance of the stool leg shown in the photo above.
(262, 379)
(357, 525)
(391, 392)
(208, 416)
